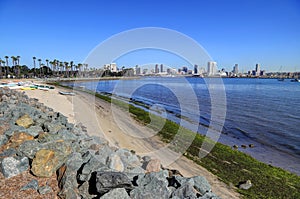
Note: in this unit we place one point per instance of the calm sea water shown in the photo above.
(263, 112)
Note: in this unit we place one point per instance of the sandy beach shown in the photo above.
(104, 120)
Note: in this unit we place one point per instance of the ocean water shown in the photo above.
(262, 112)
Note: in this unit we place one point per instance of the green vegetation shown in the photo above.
(231, 166)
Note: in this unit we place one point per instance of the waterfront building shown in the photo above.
(196, 69)
(235, 69)
(257, 70)
(211, 68)
(156, 70)
(161, 68)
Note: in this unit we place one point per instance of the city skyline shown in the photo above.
(243, 32)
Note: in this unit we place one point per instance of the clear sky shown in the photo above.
(232, 31)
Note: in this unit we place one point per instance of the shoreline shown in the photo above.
(102, 121)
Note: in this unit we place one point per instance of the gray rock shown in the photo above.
(201, 184)
(44, 189)
(246, 185)
(151, 185)
(115, 163)
(210, 195)
(12, 166)
(33, 184)
(118, 193)
(84, 191)
(29, 148)
(93, 164)
(3, 139)
(186, 190)
(105, 181)
(8, 152)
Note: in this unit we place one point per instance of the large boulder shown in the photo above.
(106, 181)
(12, 166)
(46, 162)
(24, 121)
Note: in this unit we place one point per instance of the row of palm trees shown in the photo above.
(54, 68)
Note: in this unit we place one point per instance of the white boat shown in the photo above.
(66, 93)
(295, 80)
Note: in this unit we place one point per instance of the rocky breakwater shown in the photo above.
(37, 140)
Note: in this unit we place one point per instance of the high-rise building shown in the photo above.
(235, 69)
(196, 69)
(211, 68)
(161, 68)
(156, 68)
(257, 70)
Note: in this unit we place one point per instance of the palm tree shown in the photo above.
(47, 60)
(61, 66)
(71, 66)
(40, 64)
(6, 73)
(79, 69)
(34, 72)
(18, 65)
(14, 63)
(66, 68)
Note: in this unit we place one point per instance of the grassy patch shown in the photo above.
(231, 166)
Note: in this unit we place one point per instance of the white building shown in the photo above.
(111, 67)
(211, 68)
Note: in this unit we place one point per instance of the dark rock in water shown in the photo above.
(244, 146)
(12, 166)
(106, 181)
(251, 145)
(118, 193)
(44, 189)
(33, 184)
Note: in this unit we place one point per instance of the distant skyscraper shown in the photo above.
(235, 69)
(161, 68)
(257, 70)
(156, 68)
(196, 69)
(211, 68)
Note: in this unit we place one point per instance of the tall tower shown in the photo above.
(196, 69)
(161, 68)
(156, 68)
(236, 69)
(257, 70)
(211, 68)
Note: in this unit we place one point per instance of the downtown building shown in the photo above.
(211, 68)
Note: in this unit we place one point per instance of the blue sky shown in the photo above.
(234, 31)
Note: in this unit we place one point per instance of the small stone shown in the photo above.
(33, 184)
(12, 166)
(245, 185)
(153, 166)
(115, 163)
(251, 145)
(44, 190)
(118, 193)
(25, 121)
(243, 146)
